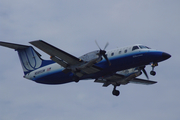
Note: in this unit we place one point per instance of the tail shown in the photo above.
(30, 58)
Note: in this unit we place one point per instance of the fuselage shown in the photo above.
(120, 58)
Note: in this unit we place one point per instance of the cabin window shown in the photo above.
(119, 52)
(135, 48)
(112, 54)
(125, 51)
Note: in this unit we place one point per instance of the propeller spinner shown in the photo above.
(103, 52)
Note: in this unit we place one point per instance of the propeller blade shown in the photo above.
(103, 52)
(106, 45)
(97, 44)
(105, 56)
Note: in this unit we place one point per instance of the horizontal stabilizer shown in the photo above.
(30, 58)
(13, 45)
(142, 81)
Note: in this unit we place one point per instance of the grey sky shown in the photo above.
(74, 26)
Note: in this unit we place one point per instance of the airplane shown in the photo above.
(115, 67)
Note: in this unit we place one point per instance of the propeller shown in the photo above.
(103, 52)
(144, 71)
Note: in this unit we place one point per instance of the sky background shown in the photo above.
(73, 26)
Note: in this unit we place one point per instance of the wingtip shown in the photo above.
(35, 41)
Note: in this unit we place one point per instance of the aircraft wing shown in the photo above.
(65, 59)
(117, 79)
(109, 79)
(56, 52)
(142, 81)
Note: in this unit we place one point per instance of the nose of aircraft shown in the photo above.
(166, 55)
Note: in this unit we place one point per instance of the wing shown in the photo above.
(65, 59)
(142, 81)
(117, 79)
(56, 53)
(114, 79)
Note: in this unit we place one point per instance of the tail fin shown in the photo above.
(30, 59)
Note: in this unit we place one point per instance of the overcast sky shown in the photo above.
(73, 26)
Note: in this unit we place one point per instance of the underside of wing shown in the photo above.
(142, 81)
(112, 79)
(92, 69)
(118, 79)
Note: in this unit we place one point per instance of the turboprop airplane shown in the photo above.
(115, 67)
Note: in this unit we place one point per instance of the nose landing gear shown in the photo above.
(153, 73)
(153, 65)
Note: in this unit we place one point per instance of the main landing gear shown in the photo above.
(153, 73)
(76, 79)
(115, 92)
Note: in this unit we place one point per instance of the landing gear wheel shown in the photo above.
(77, 80)
(153, 73)
(153, 66)
(116, 92)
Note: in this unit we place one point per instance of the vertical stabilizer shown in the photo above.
(30, 59)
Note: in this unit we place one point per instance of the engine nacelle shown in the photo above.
(90, 56)
(90, 59)
(129, 74)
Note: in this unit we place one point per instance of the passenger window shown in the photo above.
(112, 54)
(135, 48)
(125, 51)
(119, 52)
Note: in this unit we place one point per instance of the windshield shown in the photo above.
(135, 48)
(143, 47)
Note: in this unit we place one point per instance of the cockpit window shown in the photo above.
(143, 47)
(135, 48)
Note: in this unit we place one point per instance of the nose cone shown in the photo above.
(166, 55)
